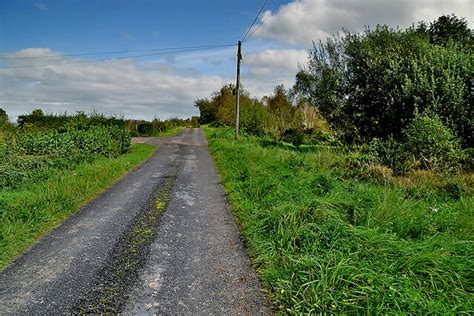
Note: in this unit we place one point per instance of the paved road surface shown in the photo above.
(161, 241)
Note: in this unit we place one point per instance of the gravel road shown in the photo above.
(161, 241)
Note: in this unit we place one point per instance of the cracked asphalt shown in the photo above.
(195, 262)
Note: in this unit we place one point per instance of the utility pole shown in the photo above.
(237, 92)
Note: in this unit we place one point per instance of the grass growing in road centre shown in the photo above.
(326, 238)
(34, 209)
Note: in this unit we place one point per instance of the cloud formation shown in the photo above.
(262, 71)
(304, 21)
(114, 87)
(276, 62)
(164, 88)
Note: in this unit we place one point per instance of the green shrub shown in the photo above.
(300, 136)
(427, 144)
(295, 136)
(145, 129)
(255, 120)
(432, 145)
(468, 161)
(388, 152)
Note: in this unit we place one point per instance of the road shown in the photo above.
(160, 241)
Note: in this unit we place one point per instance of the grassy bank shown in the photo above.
(33, 209)
(328, 236)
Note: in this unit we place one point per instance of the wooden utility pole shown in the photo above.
(237, 92)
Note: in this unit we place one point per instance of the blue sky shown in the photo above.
(74, 26)
(167, 85)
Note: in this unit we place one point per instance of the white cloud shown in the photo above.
(114, 87)
(276, 61)
(137, 90)
(264, 70)
(304, 21)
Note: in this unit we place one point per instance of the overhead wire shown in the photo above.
(264, 20)
(114, 52)
(254, 20)
(122, 57)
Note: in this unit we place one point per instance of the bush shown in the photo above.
(427, 144)
(145, 129)
(295, 136)
(255, 120)
(389, 152)
(432, 145)
(300, 136)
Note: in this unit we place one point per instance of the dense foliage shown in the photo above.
(3, 119)
(39, 121)
(426, 144)
(38, 146)
(374, 84)
(51, 165)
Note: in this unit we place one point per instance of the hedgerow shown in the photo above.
(30, 152)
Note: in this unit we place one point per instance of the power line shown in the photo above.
(119, 58)
(263, 22)
(254, 20)
(116, 52)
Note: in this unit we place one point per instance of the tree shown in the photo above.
(3, 118)
(281, 108)
(207, 111)
(373, 84)
(450, 28)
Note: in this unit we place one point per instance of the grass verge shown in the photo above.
(328, 238)
(34, 209)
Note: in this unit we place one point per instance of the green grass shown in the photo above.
(328, 237)
(171, 132)
(35, 208)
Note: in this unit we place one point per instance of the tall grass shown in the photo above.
(327, 237)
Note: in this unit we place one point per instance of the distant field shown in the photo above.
(329, 237)
(34, 208)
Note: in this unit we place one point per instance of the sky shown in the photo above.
(166, 83)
